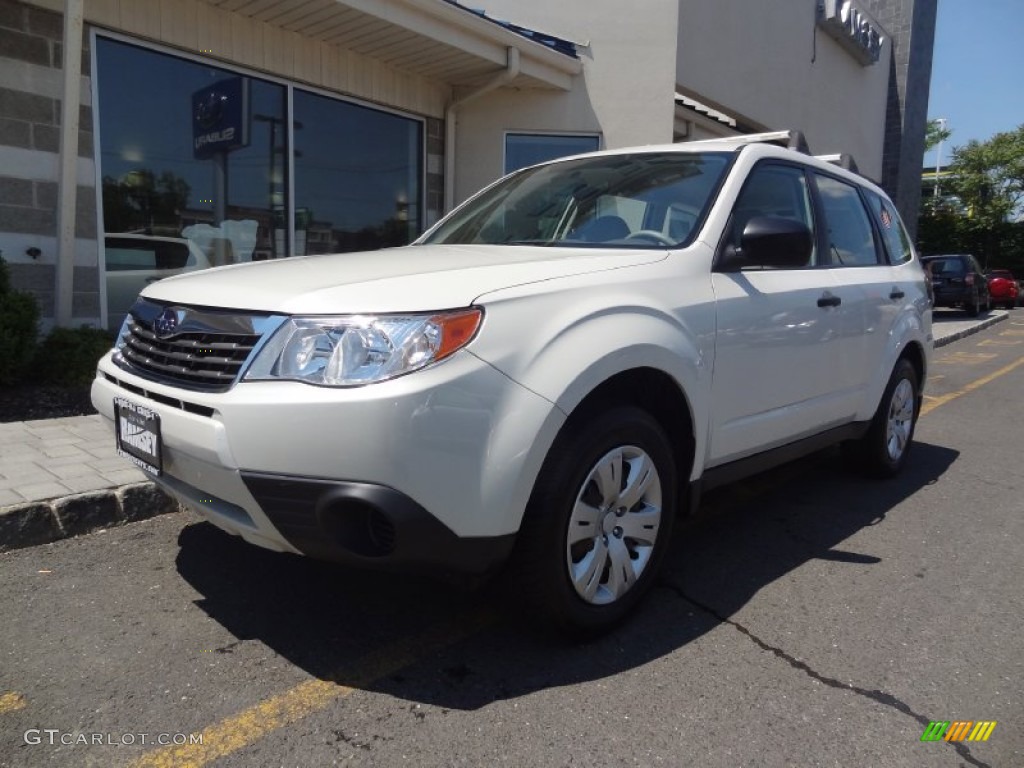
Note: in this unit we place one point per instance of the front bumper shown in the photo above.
(433, 469)
(368, 525)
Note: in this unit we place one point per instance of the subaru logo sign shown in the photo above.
(166, 323)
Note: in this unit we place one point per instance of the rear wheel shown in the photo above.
(973, 307)
(597, 524)
(883, 450)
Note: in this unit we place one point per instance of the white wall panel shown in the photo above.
(179, 24)
(199, 28)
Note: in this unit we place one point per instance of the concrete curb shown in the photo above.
(988, 322)
(43, 522)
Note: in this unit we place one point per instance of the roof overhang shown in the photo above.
(431, 38)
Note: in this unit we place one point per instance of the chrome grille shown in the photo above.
(206, 352)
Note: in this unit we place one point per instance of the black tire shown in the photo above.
(883, 451)
(539, 573)
(973, 307)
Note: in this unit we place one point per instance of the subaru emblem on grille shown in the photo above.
(166, 323)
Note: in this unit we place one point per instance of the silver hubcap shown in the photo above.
(901, 419)
(614, 525)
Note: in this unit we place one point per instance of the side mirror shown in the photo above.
(769, 241)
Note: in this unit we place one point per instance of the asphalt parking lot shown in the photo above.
(806, 617)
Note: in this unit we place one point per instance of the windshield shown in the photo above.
(635, 200)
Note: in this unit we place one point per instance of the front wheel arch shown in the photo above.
(660, 395)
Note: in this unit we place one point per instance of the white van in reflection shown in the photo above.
(134, 261)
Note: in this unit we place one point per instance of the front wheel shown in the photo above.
(883, 450)
(597, 523)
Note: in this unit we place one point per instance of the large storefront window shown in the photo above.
(357, 174)
(196, 170)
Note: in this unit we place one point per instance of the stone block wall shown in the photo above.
(31, 88)
(911, 23)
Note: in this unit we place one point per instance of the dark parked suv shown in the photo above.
(957, 281)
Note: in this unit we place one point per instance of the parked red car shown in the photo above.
(1003, 289)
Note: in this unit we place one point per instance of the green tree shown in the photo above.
(935, 133)
(141, 200)
(982, 197)
(988, 180)
(989, 176)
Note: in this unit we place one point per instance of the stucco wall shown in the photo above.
(625, 92)
(770, 64)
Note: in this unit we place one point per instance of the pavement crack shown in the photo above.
(880, 697)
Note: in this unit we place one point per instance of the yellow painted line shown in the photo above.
(1012, 333)
(943, 399)
(246, 727)
(998, 343)
(968, 358)
(11, 702)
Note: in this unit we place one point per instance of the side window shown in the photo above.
(897, 242)
(851, 241)
(773, 190)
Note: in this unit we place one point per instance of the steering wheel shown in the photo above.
(651, 235)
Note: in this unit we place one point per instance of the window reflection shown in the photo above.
(357, 173)
(195, 170)
(524, 149)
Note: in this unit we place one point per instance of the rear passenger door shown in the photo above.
(871, 254)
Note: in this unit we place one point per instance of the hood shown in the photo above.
(415, 278)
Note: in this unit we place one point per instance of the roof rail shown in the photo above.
(843, 160)
(791, 139)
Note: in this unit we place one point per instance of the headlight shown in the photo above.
(352, 350)
(122, 338)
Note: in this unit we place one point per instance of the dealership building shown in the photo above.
(140, 138)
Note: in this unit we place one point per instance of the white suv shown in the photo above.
(545, 377)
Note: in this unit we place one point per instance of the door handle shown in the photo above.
(896, 294)
(828, 300)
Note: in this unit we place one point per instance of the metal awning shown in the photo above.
(437, 39)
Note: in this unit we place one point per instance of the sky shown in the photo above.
(977, 70)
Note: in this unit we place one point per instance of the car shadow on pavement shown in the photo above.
(429, 642)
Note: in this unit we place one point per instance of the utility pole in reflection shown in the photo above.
(220, 203)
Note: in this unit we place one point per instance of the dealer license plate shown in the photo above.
(138, 435)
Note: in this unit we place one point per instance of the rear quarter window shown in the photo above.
(894, 234)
